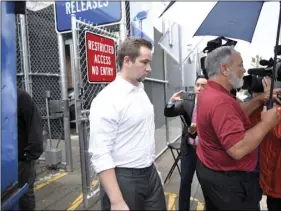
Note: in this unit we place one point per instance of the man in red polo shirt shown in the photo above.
(227, 150)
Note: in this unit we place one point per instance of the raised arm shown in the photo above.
(173, 109)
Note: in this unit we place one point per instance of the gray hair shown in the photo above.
(218, 57)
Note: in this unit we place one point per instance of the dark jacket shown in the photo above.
(30, 128)
(185, 109)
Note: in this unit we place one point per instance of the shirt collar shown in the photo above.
(218, 87)
(127, 85)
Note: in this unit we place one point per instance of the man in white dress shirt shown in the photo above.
(122, 139)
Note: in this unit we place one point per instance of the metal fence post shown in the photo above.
(64, 94)
(123, 27)
(25, 53)
(166, 97)
(78, 109)
(181, 57)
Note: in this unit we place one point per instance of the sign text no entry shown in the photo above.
(101, 58)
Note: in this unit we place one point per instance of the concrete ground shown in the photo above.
(64, 193)
(59, 190)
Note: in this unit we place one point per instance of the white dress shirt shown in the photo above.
(122, 127)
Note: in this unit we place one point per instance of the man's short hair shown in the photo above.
(131, 47)
(218, 57)
(200, 76)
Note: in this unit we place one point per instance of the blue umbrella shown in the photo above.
(237, 20)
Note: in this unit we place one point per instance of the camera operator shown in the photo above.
(227, 150)
(187, 108)
(270, 159)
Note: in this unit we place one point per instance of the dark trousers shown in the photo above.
(141, 189)
(27, 174)
(231, 190)
(188, 166)
(273, 204)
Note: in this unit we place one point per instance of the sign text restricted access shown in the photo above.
(100, 58)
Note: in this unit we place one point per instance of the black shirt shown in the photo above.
(30, 128)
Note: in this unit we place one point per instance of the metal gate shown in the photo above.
(85, 92)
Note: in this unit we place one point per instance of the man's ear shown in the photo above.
(224, 70)
(126, 60)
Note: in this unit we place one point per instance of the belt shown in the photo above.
(134, 170)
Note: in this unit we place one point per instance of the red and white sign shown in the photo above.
(101, 58)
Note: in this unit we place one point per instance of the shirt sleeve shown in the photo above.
(103, 131)
(228, 127)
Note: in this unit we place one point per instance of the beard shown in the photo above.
(235, 81)
(140, 80)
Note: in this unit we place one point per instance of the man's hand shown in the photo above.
(264, 97)
(270, 117)
(192, 128)
(121, 205)
(176, 96)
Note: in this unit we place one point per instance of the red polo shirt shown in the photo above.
(221, 123)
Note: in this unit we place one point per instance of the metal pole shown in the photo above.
(84, 120)
(180, 57)
(84, 173)
(165, 85)
(25, 53)
(123, 28)
(78, 111)
(64, 94)
(157, 80)
(47, 97)
(76, 75)
(273, 77)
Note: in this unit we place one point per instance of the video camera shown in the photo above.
(212, 45)
(253, 81)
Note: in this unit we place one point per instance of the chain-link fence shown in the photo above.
(43, 59)
(44, 64)
(38, 72)
(85, 92)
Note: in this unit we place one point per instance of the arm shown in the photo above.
(250, 106)
(174, 109)
(33, 123)
(235, 139)
(252, 139)
(103, 131)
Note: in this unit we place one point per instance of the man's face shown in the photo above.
(200, 84)
(141, 67)
(235, 71)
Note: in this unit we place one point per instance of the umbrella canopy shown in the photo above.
(232, 19)
(191, 15)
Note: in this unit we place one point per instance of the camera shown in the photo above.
(253, 81)
(212, 45)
